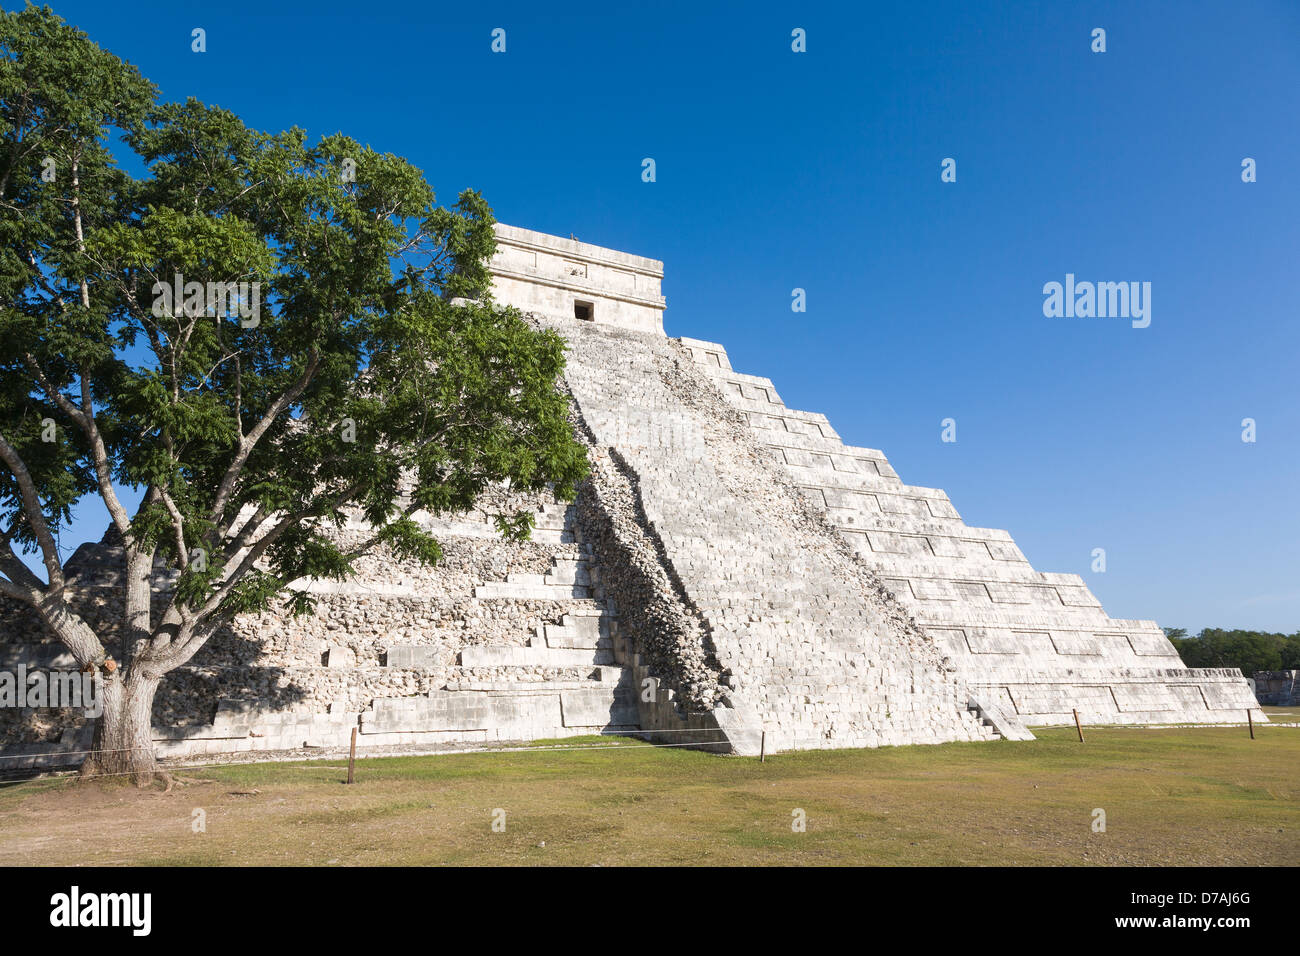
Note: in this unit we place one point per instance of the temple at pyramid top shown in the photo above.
(568, 279)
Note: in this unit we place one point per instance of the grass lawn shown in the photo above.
(1193, 796)
(1285, 714)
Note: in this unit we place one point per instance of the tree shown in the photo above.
(251, 340)
(1248, 651)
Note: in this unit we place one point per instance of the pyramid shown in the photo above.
(731, 577)
(1031, 647)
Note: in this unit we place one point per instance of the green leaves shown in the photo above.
(1248, 651)
(408, 540)
(516, 527)
(260, 334)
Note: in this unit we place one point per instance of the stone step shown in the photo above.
(924, 567)
(520, 687)
(508, 591)
(527, 579)
(602, 676)
(413, 655)
(584, 631)
(510, 656)
(929, 594)
(569, 572)
(604, 609)
(550, 536)
(505, 715)
(1013, 617)
(559, 638)
(565, 575)
(546, 531)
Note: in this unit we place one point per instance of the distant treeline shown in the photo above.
(1249, 651)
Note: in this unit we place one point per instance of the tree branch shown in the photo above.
(85, 419)
(32, 511)
(249, 441)
(13, 567)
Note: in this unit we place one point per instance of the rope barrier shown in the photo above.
(71, 753)
(550, 748)
(171, 769)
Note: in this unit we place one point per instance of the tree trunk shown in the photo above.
(123, 742)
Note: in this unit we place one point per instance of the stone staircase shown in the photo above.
(798, 626)
(557, 677)
(562, 682)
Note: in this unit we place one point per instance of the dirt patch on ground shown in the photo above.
(1197, 796)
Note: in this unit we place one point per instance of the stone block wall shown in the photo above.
(1277, 688)
(559, 278)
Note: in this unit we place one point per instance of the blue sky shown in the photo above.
(821, 170)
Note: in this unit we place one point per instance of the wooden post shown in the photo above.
(1078, 726)
(762, 748)
(352, 756)
(1251, 721)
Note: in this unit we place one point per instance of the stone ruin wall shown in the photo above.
(396, 632)
(1277, 688)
